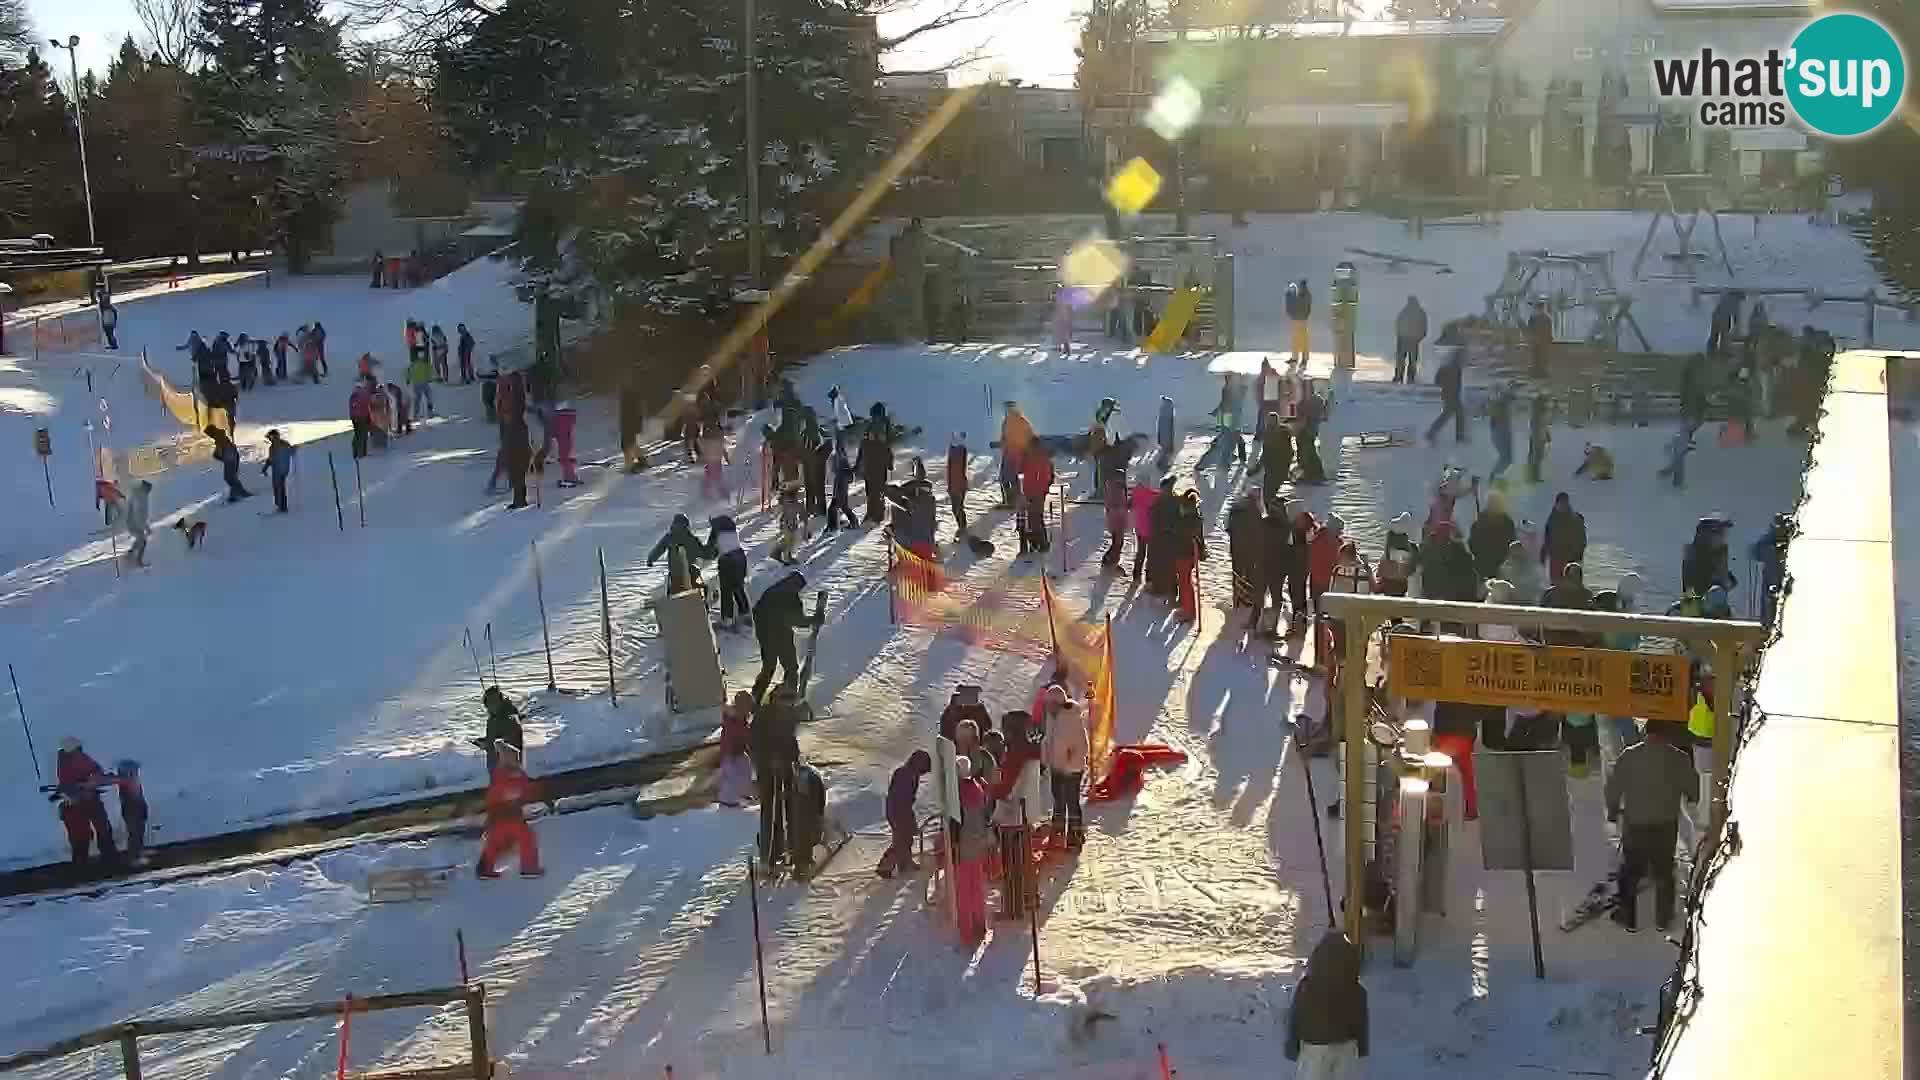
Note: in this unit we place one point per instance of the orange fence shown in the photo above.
(1015, 614)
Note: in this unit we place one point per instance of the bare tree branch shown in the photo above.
(16, 29)
(169, 26)
(412, 34)
(963, 11)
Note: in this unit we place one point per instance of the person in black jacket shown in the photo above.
(1693, 391)
(1539, 434)
(874, 463)
(1448, 380)
(1327, 1023)
(680, 537)
(228, 455)
(774, 745)
(1246, 530)
(503, 725)
(1164, 521)
(915, 512)
(1493, 532)
(1276, 456)
(1312, 411)
(1566, 537)
(776, 615)
(1273, 541)
(1447, 568)
(842, 480)
(1704, 563)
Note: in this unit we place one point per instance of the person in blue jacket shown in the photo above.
(278, 464)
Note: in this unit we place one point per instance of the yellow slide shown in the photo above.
(1173, 324)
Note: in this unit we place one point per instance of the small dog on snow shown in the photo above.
(194, 531)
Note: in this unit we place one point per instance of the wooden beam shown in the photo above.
(305, 1011)
(1382, 608)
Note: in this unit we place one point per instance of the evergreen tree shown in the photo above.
(39, 162)
(625, 121)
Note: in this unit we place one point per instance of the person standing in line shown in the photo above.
(1164, 434)
(902, 789)
(1036, 484)
(133, 809)
(1140, 500)
(1566, 538)
(972, 849)
(420, 378)
(465, 347)
(379, 269)
(228, 455)
(1448, 378)
(437, 345)
(843, 473)
(1327, 1022)
(508, 793)
(360, 412)
(1648, 784)
(1409, 329)
(1016, 435)
(957, 482)
(1065, 748)
(278, 464)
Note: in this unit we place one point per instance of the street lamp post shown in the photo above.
(72, 46)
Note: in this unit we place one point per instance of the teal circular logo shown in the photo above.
(1846, 75)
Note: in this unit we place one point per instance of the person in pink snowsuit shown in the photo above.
(1141, 499)
(560, 426)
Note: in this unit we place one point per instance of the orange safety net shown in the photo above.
(1019, 615)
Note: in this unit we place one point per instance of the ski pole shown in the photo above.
(492, 657)
(24, 726)
(467, 635)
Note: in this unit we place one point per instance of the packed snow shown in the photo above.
(292, 668)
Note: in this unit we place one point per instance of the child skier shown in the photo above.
(1396, 559)
(713, 461)
(133, 809)
(507, 795)
(901, 791)
(793, 517)
(1140, 500)
(736, 765)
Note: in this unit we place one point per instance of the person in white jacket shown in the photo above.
(1065, 748)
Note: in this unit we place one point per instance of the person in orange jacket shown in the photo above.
(1323, 554)
(509, 792)
(1016, 434)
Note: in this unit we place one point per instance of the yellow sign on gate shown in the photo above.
(1554, 677)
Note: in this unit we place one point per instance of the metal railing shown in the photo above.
(129, 1034)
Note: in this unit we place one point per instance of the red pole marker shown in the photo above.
(346, 1033)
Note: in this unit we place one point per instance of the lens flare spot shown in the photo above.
(1133, 188)
(1175, 109)
(1091, 267)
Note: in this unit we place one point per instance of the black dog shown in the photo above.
(982, 549)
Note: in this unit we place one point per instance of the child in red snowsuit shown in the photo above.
(507, 828)
(560, 426)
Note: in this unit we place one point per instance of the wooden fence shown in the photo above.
(129, 1034)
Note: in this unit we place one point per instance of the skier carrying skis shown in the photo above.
(278, 464)
(508, 793)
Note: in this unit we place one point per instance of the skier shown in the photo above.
(1409, 328)
(508, 793)
(1164, 432)
(1266, 395)
(465, 348)
(310, 356)
(503, 727)
(1327, 1022)
(560, 425)
(420, 376)
(515, 454)
(401, 409)
(1287, 567)
(228, 455)
(972, 850)
(1648, 784)
(815, 451)
(1704, 562)
(109, 323)
(1391, 573)
(1036, 483)
(1162, 550)
(437, 345)
(1769, 553)
(136, 518)
(914, 512)
(957, 481)
(1566, 537)
(723, 543)
(1276, 458)
(1678, 447)
(220, 351)
(320, 348)
(775, 747)
(1693, 393)
(1597, 463)
(807, 810)
(1246, 532)
(1016, 435)
(360, 412)
(1323, 555)
(78, 780)
(842, 481)
(902, 789)
(1112, 476)
(1140, 500)
(1299, 306)
(736, 766)
(1065, 749)
(1493, 533)
(1539, 332)
(1539, 434)
(1021, 797)
(874, 463)
(1448, 379)
(278, 464)
(776, 615)
(792, 520)
(281, 346)
(249, 373)
(133, 809)
(679, 537)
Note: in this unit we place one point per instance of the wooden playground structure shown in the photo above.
(1579, 291)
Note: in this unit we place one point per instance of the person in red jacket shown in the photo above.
(1036, 481)
(360, 411)
(507, 826)
(560, 426)
(1323, 554)
(79, 779)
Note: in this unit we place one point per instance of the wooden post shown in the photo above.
(1313, 814)
(130, 1055)
(360, 492)
(1526, 859)
(540, 593)
(892, 618)
(759, 960)
(1726, 677)
(460, 947)
(1353, 721)
(606, 627)
(477, 1030)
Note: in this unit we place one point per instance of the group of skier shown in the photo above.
(227, 365)
(77, 793)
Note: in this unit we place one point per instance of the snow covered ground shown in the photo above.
(293, 667)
